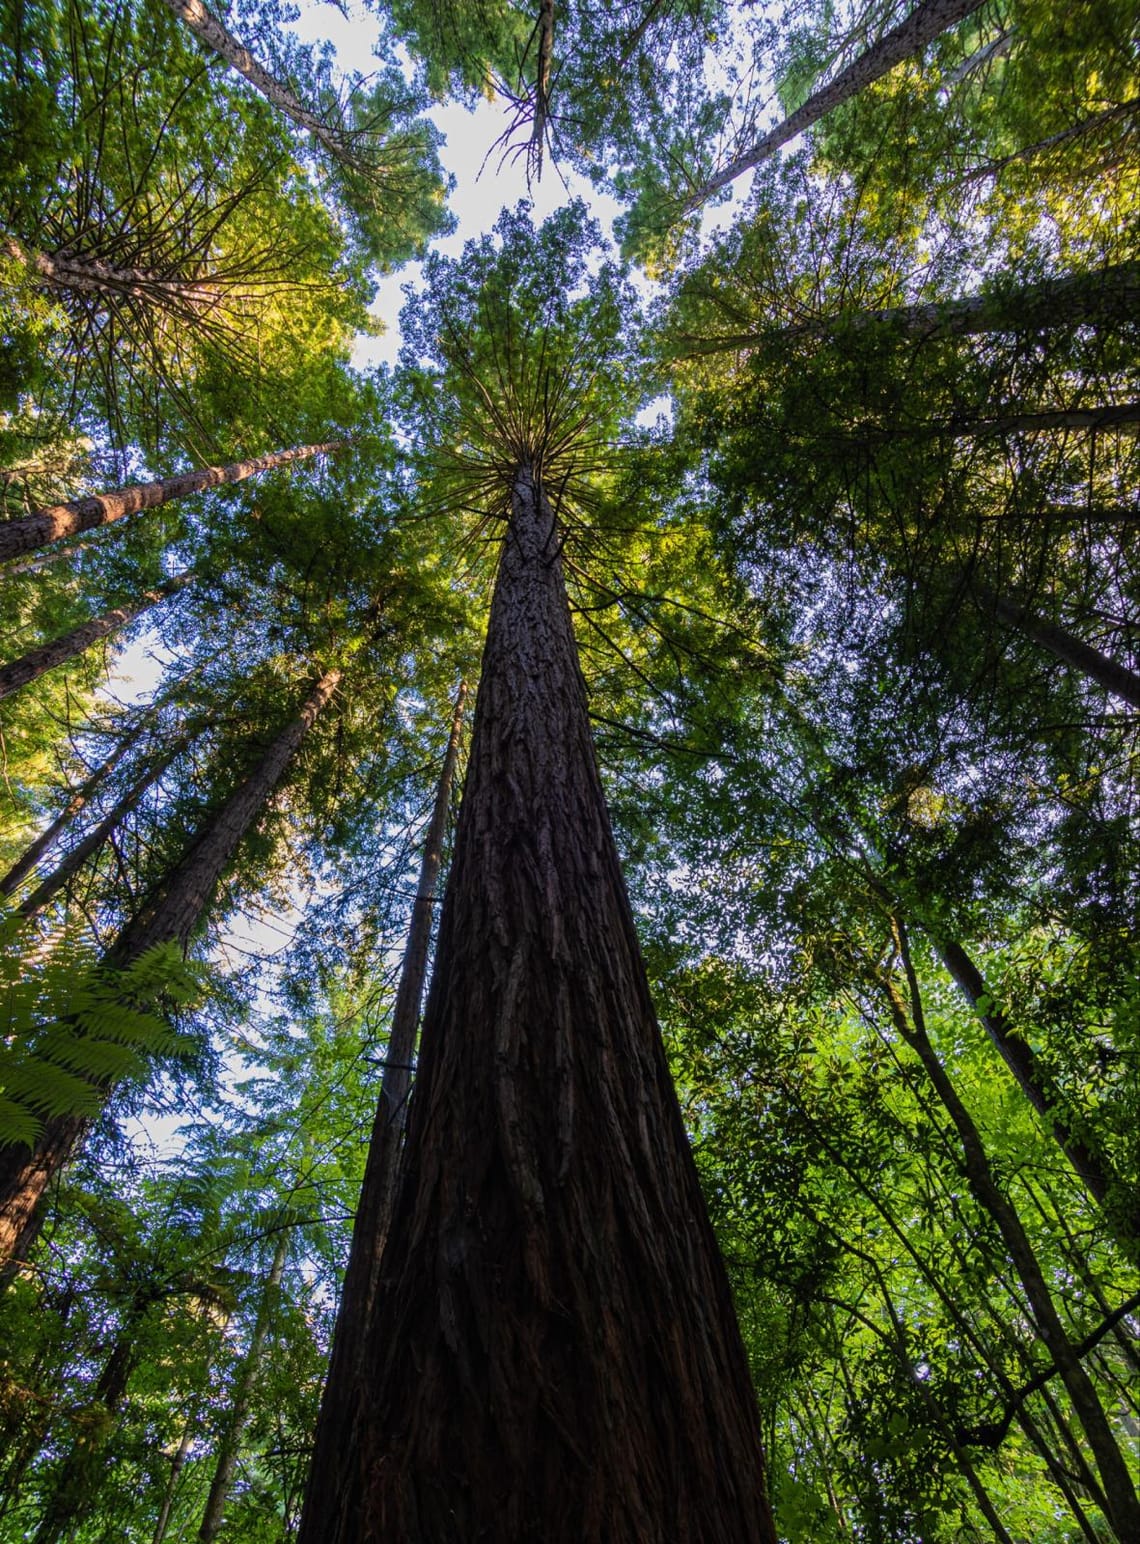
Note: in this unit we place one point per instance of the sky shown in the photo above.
(485, 181)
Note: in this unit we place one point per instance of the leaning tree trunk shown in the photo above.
(88, 275)
(77, 801)
(169, 917)
(928, 20)
(65, 871)
(1039, 1088)
(59, 520)
(21, 672)
(553, 1351)
(1116, 679)
(244, 1384)
(83, 1469)
(1121, 1505)
(344, 1392)
(213, 32)
(1103, 295)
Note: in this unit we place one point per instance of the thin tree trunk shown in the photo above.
(82, 1469)
(59, 520)
(553, 1351)
(177, 1464)
(1116, 679)
(169, 917)
(343, 1391)
(49, 887)
(213, 32)
(230, 1445)
(928, 20)
(1121, 1503)
(78, 800)
(1034, 1082)
(1123, 417)
(21, 672)
(1122, 110)
(1079, 298)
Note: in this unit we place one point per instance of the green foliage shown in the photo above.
(73, 1028)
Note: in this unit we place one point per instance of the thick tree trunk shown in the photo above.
(230, 1445)
(54, 882)
(553, 1353)
(21, 672)
(211, 31)
(1121, 1504)
(1116, 679)
(1036, 1084)
(169, 916)
(928, 20)
(343, 1391)
(1075, 299)
(43, 843)
(59, 520)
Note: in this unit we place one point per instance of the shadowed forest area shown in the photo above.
(568, 903)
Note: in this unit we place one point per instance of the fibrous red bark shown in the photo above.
(553, 1352)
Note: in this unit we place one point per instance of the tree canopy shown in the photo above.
(835, 440)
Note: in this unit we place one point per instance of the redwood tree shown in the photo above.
(553, 1352)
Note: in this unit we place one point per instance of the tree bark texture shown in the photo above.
(553, 1354)
(89, 275)
(170, 916)
(83, 1469)
(928, 20)
(211, 31)
(230, 1445)
(344, 1393)
(59, 520)
(21, 672)
(1099, 296)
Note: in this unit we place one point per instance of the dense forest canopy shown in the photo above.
(834, 442)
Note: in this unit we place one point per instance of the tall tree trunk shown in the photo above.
(177, 1464)
(21, 672)
(78, 800)
(1122, 1506)
(1070, 301)
(344, 1393)
(49, 887)
(244, 1383)
(1036, 1084)
(169, 917)
(93, 276)
(553, 1351)
(82, 1469)
(1116, 679)
(928, 20)
(1121, 416)
(213, 32)
(59, 520)
(1101, 295)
